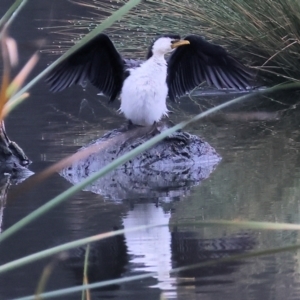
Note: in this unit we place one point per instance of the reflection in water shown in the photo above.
(150, 248)
(6, 180)
(4, 185)
(158, 250)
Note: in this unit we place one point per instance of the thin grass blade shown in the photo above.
(80, 288)
(86, 293)
(11, 13)
(18, 81)
(48, 270)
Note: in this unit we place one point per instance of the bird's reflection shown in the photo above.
(149, 249)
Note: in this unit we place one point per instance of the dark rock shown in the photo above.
(12, 157)
(168, 169)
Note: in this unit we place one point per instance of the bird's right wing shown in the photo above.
(98, 62)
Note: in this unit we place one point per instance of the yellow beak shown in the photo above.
(179, 43)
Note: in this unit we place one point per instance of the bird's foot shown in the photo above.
(154, 130)
(131, 125)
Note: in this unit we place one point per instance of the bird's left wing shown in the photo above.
(98, 62)
(200, 61)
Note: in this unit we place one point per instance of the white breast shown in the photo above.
(144, 93)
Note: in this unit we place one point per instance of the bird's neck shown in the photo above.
(153, 66)
(158, 58)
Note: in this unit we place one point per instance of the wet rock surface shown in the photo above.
(168, 169)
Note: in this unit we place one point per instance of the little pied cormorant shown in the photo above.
(144, 88)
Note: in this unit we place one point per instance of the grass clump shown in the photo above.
(263, 34)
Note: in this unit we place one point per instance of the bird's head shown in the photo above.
(165, 44)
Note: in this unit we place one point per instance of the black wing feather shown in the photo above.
(190, 65)
(98, 62)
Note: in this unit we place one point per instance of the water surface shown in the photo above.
(257, 179)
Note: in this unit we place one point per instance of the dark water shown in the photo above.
(257, 179)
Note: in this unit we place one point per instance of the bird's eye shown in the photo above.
(174, 41)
